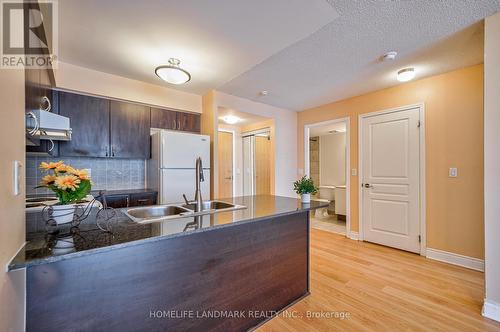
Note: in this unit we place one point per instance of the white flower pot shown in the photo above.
(306, 198)
(62, 214)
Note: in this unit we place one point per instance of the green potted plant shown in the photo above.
(305, 187)
(70, 186)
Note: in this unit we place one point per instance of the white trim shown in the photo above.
(456, 259)
(233, 132)
(353, 235)
(422, 189)
(491, 310)
(347, 121)
(14, 256)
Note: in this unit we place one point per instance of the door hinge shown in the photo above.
(420, 239)
(418, 124)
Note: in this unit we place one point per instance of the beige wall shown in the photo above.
(332, 153)
(12, 222)
(454, 138)
(97, 83)
(492, 165)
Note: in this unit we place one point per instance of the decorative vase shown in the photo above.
(306, 198)
(62, 214)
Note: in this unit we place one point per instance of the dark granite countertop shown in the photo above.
(46, 244)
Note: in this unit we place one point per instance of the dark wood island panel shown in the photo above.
(251, 266)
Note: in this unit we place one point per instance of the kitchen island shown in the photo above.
(231, 271)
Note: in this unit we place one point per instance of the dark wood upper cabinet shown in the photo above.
(129, 128)
(89, 119)
(189, 122)
(164, 119)
(173, 120)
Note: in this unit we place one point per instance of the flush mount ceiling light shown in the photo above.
(172, 73)
(406, 74)
(230, 119)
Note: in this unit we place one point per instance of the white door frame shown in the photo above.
(233, 132)
(307, 129)
(422, 202)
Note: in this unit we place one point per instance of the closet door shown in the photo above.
(262, 165)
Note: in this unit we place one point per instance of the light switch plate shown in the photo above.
(453, 172)
(354, 172)
(16, 189)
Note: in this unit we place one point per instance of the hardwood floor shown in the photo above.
(384, 289)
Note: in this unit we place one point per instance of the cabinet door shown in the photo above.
(164, 119)
(142, 199)
(189, 122)
(116, 201)
(32, 89)
(130, 126)
(89, 120)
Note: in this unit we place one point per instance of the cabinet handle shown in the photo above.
(128, 201)
(46, 100)
(179, 124)
(112, 151)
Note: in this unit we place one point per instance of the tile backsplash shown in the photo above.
(106, 173)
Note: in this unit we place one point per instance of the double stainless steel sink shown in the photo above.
(148, 214)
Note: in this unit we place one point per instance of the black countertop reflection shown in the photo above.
(46, 244)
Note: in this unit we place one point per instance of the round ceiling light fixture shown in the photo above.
(172, 73)
(406, 74)
(230, 119)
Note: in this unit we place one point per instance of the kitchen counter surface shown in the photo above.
(47, 244)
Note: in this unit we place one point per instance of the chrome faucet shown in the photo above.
(198, 200)
(199, 179)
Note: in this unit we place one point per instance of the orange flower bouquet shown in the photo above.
(69, 184)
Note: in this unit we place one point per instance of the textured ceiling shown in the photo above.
(342, 58)
(304, 52)
(216, 40)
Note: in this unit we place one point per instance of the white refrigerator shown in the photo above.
(171, 169)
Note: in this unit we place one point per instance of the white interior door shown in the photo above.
(390, 180)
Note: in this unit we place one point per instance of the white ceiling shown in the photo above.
(216, 40)
(305, 53)
(245, 118)
(326, 129)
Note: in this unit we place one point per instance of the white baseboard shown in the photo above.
(491, 310)
(353, 235)
(455, 259)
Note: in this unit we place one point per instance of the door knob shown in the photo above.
(367, 185)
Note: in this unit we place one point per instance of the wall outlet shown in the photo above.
(89, 171)
(453, 172)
